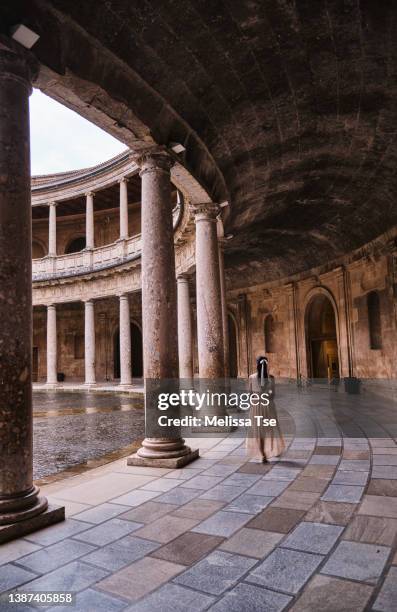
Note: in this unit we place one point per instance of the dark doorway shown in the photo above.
(321, 338)
(233, 353)
(76, 245)
(136, 352)
(35, 364)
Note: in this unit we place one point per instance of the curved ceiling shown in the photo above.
(287, 108)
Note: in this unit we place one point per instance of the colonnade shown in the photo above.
(89, 219)
(162, 302)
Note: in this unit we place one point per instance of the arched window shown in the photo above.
(269, 334)
(37, 250)
(374, 325)
(75, 245)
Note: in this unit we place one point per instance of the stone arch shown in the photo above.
(75, 245)
(136, 350)
(38, 249)
(321, 326)
(374, 321)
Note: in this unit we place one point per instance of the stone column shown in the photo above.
(225, 326)
(208, 294)
(89, 221)
(89, 342)
(125, 342)
(159, 305)
(184, 329)
(123, 209)
(52, 345)
(21, 508)
(52, 229)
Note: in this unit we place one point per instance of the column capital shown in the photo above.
(182, 278)
(205, 211)
(14, 65)
(123, 179)
(89, 301)
(49, 204)
(154, 159)
(51, 306)
(89, 193)
(123, 296)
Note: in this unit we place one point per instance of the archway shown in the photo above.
(321, 338)
(233, 352)
(76, 245)
(37, 250)
(136, 352)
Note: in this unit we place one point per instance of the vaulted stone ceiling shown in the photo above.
(286, 108)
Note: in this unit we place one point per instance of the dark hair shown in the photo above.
(259, 361)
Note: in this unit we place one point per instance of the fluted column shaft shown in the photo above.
(89, 339)
(52, 229)
(123, 209)
(89, 221)
(125, 341)
(52, 358)
(184, 329)
(208, 294)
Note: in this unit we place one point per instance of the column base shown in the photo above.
(165, 462)
(52, 515)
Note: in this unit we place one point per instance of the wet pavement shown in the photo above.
(72, 429)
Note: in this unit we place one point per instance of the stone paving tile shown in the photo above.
(118, 554)
(166, 528)
(161, 484)
(281, 520)
(173, 598)
(354, 465)
(58, 532)
(297, 454)
(382, 487)
(135, 498)
(241, 479)
(101, 513)
(285, 570)
(350, 478)
(268, 488)
(108, 532)
(386, 442)
(92, 600)
(12, 576)
(343, 493)
(282, 473)
(222, 524)
(16, 549)
(335, 513)
(318, 471)
(329, 441)
(56, 555)
(140, 578)
(384, 471)
(313, 537)
(296, 500)
(333, 595)
(387, 598)
(384, 451)
(352, 454)
(324, 460)
(232, 460)
(254, 468)
(244, 597)
(200, 464)
(327, 450)
(379, 505)
(216, 573)
(188, 548)
(311, 485)
(74, 576)
(252, 542)
(223, 493)
(198, 509)
(202, 482)
(148, 512)
(373, 530)
(221, 469)
(178, 496)
(104, 488)
(182, 474)
(250, 504)
(356, 561)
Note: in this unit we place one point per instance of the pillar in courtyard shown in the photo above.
(52, 229)
(184, 329)
(208, 293)
(89, 220)
(89, 342)
(52, 345)
(123, 209)
(125, 342)
(159, 306)
(225, 327)
(22, 510)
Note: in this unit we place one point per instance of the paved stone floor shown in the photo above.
(315, 530)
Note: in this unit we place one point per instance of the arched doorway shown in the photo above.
(136, 352)
(321, 339)
(76, 245)
(233, 353)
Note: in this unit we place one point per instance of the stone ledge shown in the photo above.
(172, 463)
(53, 514)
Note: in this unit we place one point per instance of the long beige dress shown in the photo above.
(264, 441)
